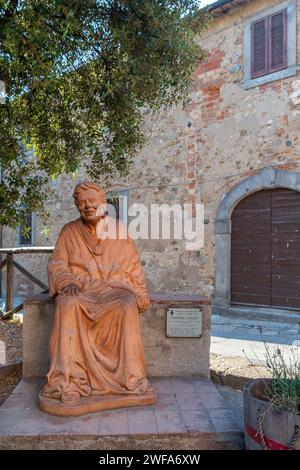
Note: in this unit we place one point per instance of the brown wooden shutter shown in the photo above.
(278, 41)
(269, 44)
(259, 44)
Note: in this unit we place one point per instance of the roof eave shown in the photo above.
(224, 6)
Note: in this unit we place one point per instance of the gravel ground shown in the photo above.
(11, 343)
(10, 356)
(10, 376)
(235, 372)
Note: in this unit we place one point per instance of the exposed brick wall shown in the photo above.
(212, 62)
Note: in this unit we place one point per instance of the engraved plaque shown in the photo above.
(184, 322)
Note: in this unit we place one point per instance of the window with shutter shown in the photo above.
(113, 206)
(269, 44)
(26, 235)
(117, 204)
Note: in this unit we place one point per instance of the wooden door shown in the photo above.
(265, 249)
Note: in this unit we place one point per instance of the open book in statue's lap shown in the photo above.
(96, 352)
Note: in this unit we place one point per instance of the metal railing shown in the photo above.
(10, 263)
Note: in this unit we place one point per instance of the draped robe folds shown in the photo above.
(95, 346)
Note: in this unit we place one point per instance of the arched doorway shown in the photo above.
(265, 249)
(268, 179)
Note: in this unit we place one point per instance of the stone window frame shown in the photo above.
(33, 233)
(291, 70)
(268, 178)
(122, 195)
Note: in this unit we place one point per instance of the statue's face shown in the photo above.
(87, 204)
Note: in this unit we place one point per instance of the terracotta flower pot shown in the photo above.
(265, 427)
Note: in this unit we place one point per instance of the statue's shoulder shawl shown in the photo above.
(70, 227)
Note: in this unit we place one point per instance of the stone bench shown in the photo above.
(165, 356)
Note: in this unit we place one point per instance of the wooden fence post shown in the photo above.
(9, 282)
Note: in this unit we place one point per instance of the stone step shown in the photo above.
(190, 414)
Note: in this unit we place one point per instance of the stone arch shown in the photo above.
(268, 178)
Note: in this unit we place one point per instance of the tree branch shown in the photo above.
(9, 12)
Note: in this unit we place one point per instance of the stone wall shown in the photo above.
(199, 154)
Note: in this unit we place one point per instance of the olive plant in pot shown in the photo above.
(272, 406)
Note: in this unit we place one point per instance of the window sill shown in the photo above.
(251, 83)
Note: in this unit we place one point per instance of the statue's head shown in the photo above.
(90, 200)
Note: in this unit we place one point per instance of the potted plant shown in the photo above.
(272, 406)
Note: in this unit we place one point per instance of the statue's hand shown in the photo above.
(70, 289)
(143, 303)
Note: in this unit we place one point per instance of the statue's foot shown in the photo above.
(70, 398)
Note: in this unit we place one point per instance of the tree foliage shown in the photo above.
(78, 77)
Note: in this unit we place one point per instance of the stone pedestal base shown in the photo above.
(181, 357)
(190, 414)
(94, 403)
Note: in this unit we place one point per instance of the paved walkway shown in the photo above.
(248, 338)
(189, 414)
